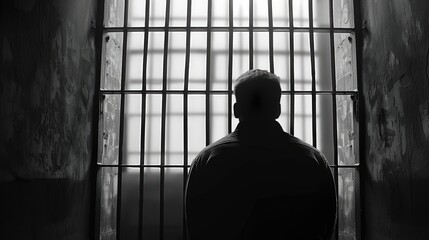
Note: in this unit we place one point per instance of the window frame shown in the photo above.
(359, 108)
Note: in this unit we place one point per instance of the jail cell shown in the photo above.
(166, 91)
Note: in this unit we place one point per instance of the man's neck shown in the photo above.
(259, 127)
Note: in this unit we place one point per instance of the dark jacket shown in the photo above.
(260, 182)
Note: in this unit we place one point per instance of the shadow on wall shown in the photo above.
(47, 72)
(396, 86)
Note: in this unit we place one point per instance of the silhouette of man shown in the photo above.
(259, 182)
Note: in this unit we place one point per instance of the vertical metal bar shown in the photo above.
(208, 62)
(313, 73)
(360, 229)
(250, 34)
(230, 59)
(96, 228)
(334, 101)
(95, 179)
(121, 123)
(270, 32)
(292, 71)
(185, 110)
(163, 119)
(143, 123)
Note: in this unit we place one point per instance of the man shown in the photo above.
(260, 182)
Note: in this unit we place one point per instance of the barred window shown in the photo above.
(166, 91)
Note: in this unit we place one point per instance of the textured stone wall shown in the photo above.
(47, 74)
(396, 90)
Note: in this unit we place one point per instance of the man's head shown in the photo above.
(257, 94)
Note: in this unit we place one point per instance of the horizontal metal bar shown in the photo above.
(227, 29)
(143, 166)
(215, 92)
(139, 52)
(198, 114)
(357, 165)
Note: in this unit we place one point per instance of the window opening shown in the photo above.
(167, 72)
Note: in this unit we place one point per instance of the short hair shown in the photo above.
(258, 92)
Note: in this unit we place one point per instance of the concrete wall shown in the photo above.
(47, 72)
(396, 90)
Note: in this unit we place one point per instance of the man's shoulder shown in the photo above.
(304, 151)
(222, 145)
(302, 145)
(284, 146)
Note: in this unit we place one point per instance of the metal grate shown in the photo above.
(166, 78)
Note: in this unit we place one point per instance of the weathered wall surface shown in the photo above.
(396, 90)
(47, 72)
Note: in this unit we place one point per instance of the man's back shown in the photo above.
(260, 183)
